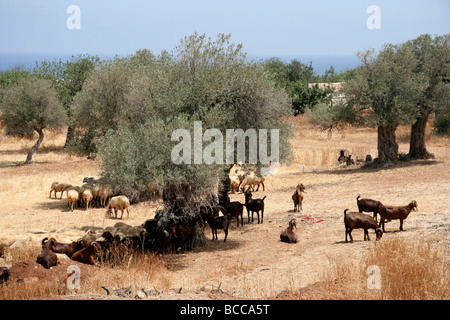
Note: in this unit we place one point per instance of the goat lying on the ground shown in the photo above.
(288, 235)
(47, 258)
(87, 255)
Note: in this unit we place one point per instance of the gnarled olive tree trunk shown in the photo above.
(417, 147)
(387, 146)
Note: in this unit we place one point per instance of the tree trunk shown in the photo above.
(69, 136)
(36, 146)
(224, 187)
(387, 146)
(417, 148)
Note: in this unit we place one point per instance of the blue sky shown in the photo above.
(265, 28)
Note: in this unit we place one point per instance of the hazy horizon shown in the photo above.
(320, 63)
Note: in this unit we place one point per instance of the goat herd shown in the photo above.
(355, 220)
(169, 232)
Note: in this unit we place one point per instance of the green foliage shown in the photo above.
(305, 97)
(441, 125)
(131, 106)
(67, 76)
(295, 77)
(386, 86)
(31, 104)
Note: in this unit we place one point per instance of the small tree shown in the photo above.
(31, 105)
(68, 79)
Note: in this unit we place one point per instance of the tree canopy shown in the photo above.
(31, 105)
(130, 107)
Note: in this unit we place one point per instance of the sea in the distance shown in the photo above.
(320, 63)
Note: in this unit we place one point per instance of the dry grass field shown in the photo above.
(253, 263)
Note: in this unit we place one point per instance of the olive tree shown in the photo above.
(67, 78)
(134, 105)
(383, 93)
(433, 61)
(31, 105)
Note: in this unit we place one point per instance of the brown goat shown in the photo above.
(288, 234)
(357, 220)
(68, 248)
(369, 205)
(395, 213)
(297, 197)
(87, 255)
(47, 258)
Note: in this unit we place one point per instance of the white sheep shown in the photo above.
(118, 203)
(72, 197)
(252, 180)
(237, 175)
(59, 187)
(87, 197)
(104, 193)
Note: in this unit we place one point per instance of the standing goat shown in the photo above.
(357, 220)
(234, 209)
(254, 205)
(394, 213)
(369, 205)
(297, 197)
(215, 222)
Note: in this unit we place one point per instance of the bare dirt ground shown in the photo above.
(253, 263)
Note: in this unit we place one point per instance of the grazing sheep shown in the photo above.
(288, 235)
(104, 194)
(237, 175)
(87, 197)
(95, 195)
(87, 255)
(47, 258)
(358, 220)
(297, 197)
(235, 182)
(369, 205)
(72, 197)
(67, 248)
(252, 180)
(254, 205)
(395, 213)
(59, 187)
(118, 203)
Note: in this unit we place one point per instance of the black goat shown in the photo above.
(234, 209)
(222, 222)
(254, 205)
